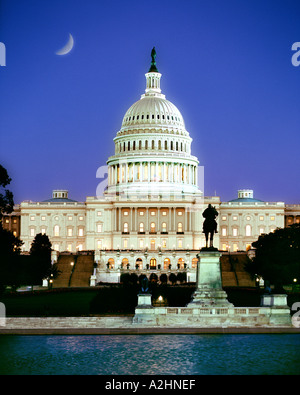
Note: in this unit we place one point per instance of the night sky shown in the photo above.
(226, 65)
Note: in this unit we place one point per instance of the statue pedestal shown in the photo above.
(209, 290)
(144, 312)
(144, 301)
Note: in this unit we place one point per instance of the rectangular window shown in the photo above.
(125, 243)
(70, 218)
(164, 243)
(224, 218)
(235, 247)
(164, 213)
(272, 218)
(43, 218)
(80, 218)
(180, 212)
(224, 231)
(224, 247)
(152, 213)
(261, 217)
(234, 218)
(141, 212)
(126, 213)
(100, 228)
(179, 243)
(99, 213)
(32, 218)
(80, 232)
(234, 232)
(43, 231)
(141, 243)
(69, 248)
(70, 232)
(99, 244)
(56, 247)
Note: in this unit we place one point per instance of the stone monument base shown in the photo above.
(209, 291)
(144, 312)
(209, 297)
(275, 315)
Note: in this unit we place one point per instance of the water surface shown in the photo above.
(225, 354)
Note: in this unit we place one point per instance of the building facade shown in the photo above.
(149, 216)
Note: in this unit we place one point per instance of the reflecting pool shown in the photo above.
(225, 354)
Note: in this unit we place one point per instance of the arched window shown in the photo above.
(180, 263)
(133, 146)
(125, 227)
(179, 227)
(159, 144)
(140, 144)
(125, 262)
(111, 263)
(146, 144)
(128, 145)
(194, 263)
(166, 145)
(167, 263)
(153, 263)
(153, 144)
(139, 263)
(56, 230)
(172, 146)
(142, 229)
(152, 244)
(152, 227)
(248, 230)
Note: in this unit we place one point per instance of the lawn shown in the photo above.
(113, 300)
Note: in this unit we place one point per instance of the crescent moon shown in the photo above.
(67, 48)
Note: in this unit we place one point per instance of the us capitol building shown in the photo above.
(149, 216)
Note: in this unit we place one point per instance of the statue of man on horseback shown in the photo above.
(210, 224)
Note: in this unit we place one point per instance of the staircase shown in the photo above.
(64, 265)
(76, 270)
(233, 271)
(83, 269)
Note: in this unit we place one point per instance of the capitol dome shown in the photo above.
(153, 110)
(152, 147)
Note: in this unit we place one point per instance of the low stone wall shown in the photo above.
(212, 317)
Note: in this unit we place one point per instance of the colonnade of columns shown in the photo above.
(152, 172)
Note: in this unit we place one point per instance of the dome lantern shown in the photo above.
(153, 78)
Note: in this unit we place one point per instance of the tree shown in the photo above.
(10, 245)
(277, 256)
(163, 278)
(173, 278)
(6, 196)
(40, 253)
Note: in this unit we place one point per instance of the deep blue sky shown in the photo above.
(226, 65)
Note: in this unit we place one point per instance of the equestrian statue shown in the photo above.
(210, 225)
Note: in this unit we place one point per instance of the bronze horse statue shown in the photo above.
(210, 224)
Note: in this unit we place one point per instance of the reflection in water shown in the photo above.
(150, 354)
